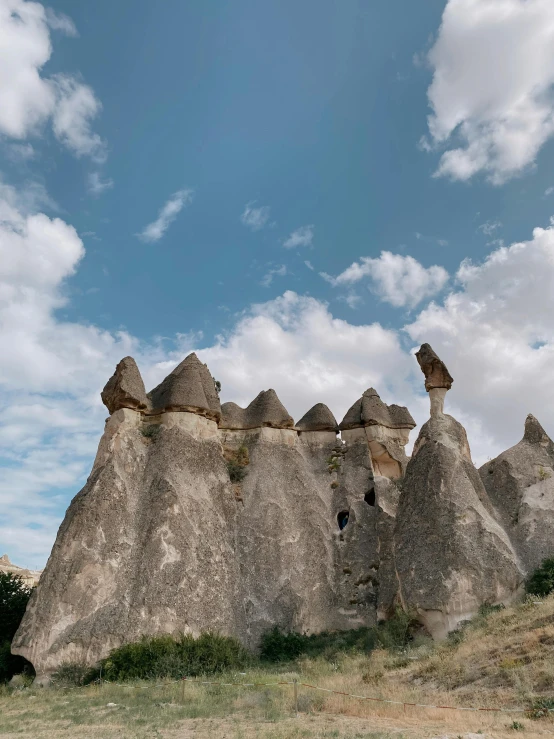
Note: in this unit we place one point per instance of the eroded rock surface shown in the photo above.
(520, 484)
(451, 553)
(125, 388)
(190, 387)
(318, 418)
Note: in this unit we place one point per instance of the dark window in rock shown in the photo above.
(369, 497)
(342, 519)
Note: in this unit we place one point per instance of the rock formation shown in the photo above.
(198, 516)
(437, 378)
(386, 429)
(520, 484)
(451, 553)
(29, 577)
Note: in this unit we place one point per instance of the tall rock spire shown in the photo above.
(438, 379)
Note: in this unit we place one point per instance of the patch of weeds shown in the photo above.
(151, 431)
(73, 674)
(544, 474)
(237, 462)
(516, 726)
(540, 708)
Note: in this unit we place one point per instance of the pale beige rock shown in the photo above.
(451, 553)
(520, 484)
(30, 577)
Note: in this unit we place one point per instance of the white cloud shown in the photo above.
(497, 337)
(303, 236)
(96, 186)
(309, 265)
(29, 100)
(398, 280)
(548, 191)
(271, 273)
(255, 218)
(493, 66)
(168, 213)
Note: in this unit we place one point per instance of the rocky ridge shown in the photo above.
(316, 532)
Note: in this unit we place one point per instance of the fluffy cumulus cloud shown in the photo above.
(496, 334)
(168, 213)
(29, 100)
(399, 280)
(491, 93)
(255, 218)
(493, 330)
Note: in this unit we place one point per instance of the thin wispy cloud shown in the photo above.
(303, 236)
(95, 184)
(489, 227)
(255, 218)
(168, 213)
(270, 274)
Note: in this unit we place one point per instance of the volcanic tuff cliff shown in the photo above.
(200, 516)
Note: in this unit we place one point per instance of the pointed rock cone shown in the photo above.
(318, 418)
(190, 387)
(125, 388)
(265, 410)
(438, 379)
(451, 553)
(520, 484)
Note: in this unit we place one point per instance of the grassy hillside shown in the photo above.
(503, 658)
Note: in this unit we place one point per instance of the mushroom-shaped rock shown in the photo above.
(434, 369)
(318, 418)
(370, 410)
(265, 410)
(125, 388)
(190, 387)
(438, 379)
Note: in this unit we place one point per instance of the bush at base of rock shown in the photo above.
(541, 582)
(166, 656)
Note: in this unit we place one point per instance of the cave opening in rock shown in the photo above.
(369, 497)
(342, 519)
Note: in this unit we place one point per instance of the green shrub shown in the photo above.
(165, 656)
(14, 596)
(151, 431)
(541, 582)
(394, 634)
(72, 674)
(237, 472)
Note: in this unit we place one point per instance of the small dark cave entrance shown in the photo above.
(342, 519)
(369, 497)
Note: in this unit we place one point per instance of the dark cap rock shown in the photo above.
(265, 410)
(125, 388)
(318, 418)
(190, 387)
(434, 369)
(370, 410)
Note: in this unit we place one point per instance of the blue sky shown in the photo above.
(341, 181)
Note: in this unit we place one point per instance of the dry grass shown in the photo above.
(505, 659)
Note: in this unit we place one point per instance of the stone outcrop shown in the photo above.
(125, 388)
(451, 553)
(520, 484)
(266, 410)
(438, 379)
(198, 516)
(318, 418)
(29, 577)
(190, 387)
(386, 429)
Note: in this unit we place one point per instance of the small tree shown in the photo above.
(541, 582)
(14, 596)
